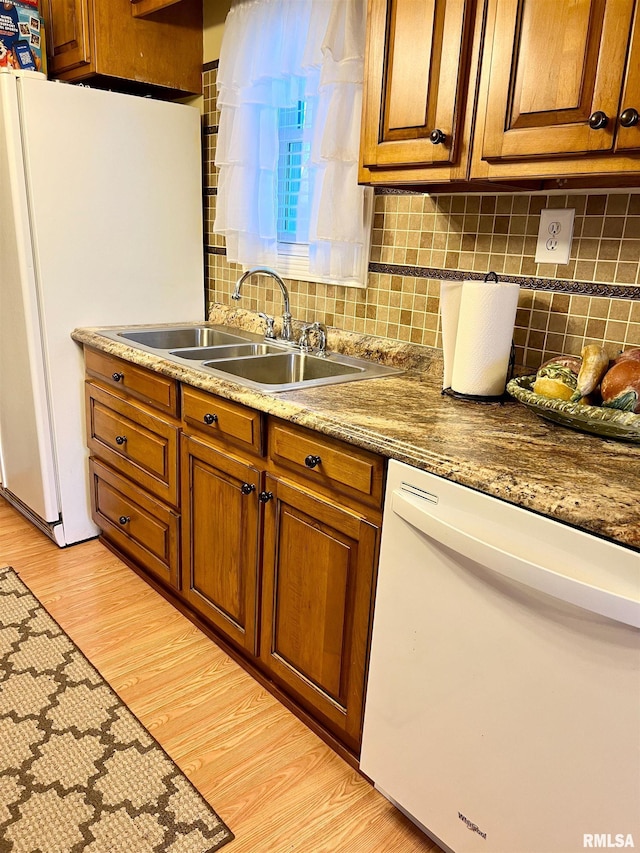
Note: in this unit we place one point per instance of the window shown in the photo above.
(289, 93)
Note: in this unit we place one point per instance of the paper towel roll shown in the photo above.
(450, 295)
(483, 341)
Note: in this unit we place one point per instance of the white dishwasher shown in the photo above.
(503, 704)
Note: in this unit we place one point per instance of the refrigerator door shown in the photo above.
(114, 195)
(28, 469)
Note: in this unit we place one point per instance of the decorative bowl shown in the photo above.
(607, 423)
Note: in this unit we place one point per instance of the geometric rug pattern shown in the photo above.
(78, 771)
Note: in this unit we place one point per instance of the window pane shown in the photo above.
(294, 185)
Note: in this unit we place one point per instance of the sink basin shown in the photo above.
(192, 336)
(285, 368)
(247, 358)
(224, 352)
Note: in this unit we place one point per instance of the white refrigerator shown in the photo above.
(100, 224)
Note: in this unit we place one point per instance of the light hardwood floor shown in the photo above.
(275, 783)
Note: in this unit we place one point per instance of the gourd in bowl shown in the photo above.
(620, 387)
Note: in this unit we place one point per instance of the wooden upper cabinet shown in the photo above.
(556, 73)
(555, 83)
(628, 136)
(127, 46)
(68, 28)
(513, 91)
(416, 82)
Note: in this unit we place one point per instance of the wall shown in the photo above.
(214, 14)
(420, 239)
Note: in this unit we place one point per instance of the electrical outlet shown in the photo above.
(554, 236)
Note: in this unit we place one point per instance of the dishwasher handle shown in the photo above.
(415, 511)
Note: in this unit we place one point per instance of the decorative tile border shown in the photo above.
(611, 291)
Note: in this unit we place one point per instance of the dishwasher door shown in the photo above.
(503, 703)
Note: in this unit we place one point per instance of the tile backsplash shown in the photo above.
(419, 239)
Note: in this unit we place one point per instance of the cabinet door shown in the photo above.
(316, 592)
(550, 67)
(220, 540)
(68, 33)
(628, 137)
(416, 66)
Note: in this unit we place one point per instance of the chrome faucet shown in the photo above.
(321, 331)
(287, 332)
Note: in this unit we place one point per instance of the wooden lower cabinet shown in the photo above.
(220, 533)
(318, 572)
(267, 532)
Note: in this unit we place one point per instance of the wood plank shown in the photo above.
(276, 784)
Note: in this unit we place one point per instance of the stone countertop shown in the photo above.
(501, 449)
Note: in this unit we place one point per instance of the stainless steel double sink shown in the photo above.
(246, 358)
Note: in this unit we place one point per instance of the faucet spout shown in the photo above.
(287, 332)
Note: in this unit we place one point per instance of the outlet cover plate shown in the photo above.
(555, 235)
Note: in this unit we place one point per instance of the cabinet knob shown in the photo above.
(598, 120)
(210, 419)
(247, 488)
(124, 519)
(120, 439)
(437, 136)
(265, 497)
(312, 461)
(629, 117)
(117, 377)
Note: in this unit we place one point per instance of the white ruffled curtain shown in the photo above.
(275, 53)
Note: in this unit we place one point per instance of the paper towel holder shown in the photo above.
(482, 398)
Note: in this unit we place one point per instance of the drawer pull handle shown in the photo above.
(124, 519)
(265, 497)
(598, 120)
(117, 377)
(210, 419)
(312, 461)
(630, 117)
(121, 439)
(247, 488)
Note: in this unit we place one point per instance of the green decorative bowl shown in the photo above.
(607, 423)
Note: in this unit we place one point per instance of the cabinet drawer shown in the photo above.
(151, 388)
(331, 465)
(134, 441)
(222, 420)
(136, 523)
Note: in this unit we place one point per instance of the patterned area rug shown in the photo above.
(78, 772)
